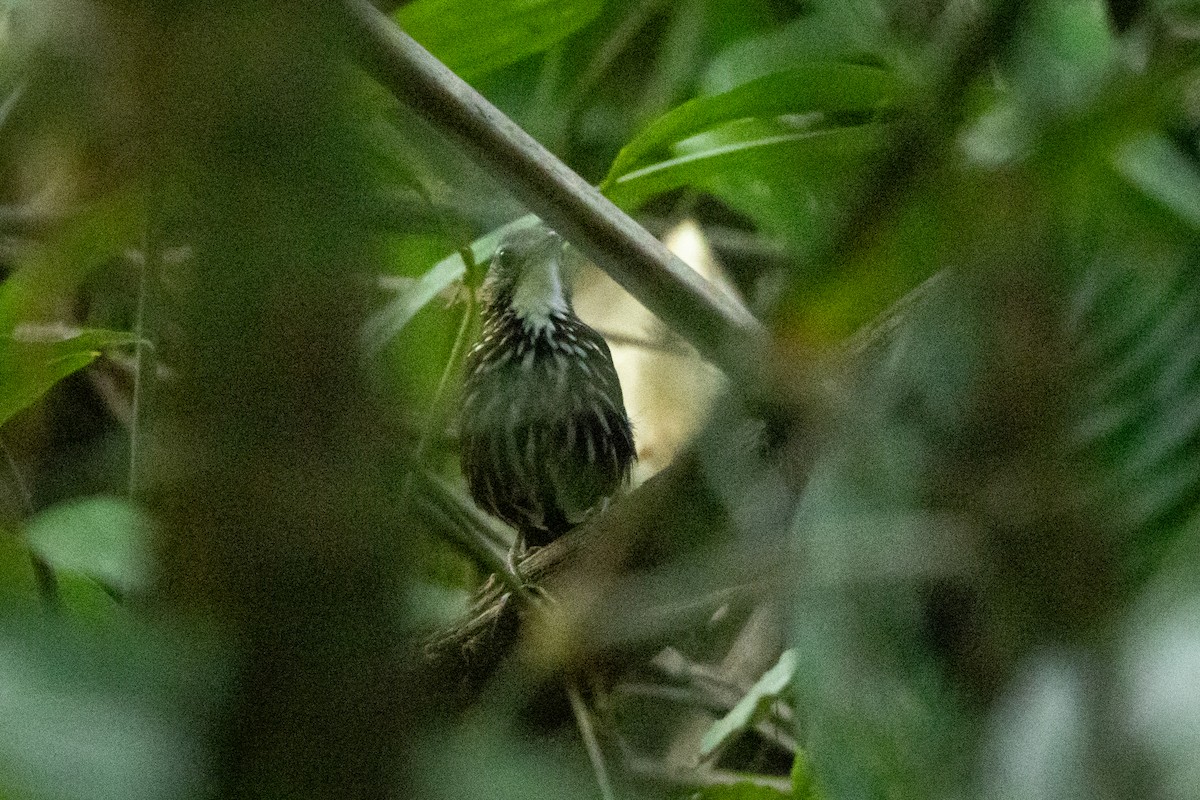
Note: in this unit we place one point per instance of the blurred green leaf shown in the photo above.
(54, 268)
(93, 716)
(105, 538)
(36, 353)
(1156, 166)
(502, 767)
(804, 785)
(1162, 651)
(33, 358)
(1139, 416)
(741, 791)
(813, 88)
(18, 583)
(412, 296)
(753, 706)
(474, 38)
(1068, 49)
(817, 37)
(85, 599)
(1039, 744)
(761, 152)
(878, 722)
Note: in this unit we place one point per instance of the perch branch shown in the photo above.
(716, 324)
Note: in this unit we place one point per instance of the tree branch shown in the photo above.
(716, 324)
(639, 531)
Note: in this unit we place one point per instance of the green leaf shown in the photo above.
(804, 785)
(96, 715)
(748, 152)
(741, 791)
(753, 707)
(105, 538)
(18, 583)
(413, 295)
(813, 88)
(1139, 422)
(823, 36)
(1066, 52)
(85, 599)
(1157, 167)
(35, 357)
(56, 267)
(474, 38)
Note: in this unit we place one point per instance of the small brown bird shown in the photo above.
(545, 436)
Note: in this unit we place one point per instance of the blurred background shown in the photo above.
(939, 539)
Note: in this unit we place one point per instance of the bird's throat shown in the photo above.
(539, 294)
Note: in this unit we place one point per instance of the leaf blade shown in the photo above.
(35, 358)
(474, 39)
(822, 88)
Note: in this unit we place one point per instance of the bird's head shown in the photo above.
(526, 276)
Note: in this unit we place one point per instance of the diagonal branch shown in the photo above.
(719, 327)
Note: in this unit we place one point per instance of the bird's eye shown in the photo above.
(501, 254)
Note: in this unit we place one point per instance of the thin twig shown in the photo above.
(719, 327)
(433, 418)
(148, 273)
(710, 682)
(583, 719)
(697, 695)
(662, 773)
(464, 533)
(666, 347)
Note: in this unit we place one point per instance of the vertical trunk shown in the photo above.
(272, 496)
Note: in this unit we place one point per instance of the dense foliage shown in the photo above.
(932, 531)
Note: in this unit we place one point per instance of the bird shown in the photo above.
(545, 437)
